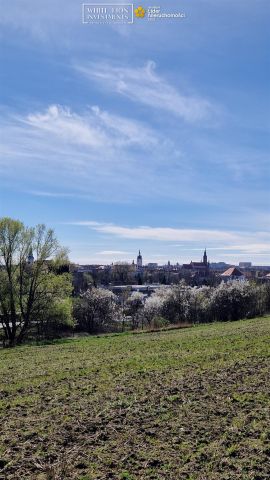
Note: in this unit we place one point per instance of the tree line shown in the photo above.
(37, 298)
(101, 310)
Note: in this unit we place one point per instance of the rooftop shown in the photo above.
(232, 272)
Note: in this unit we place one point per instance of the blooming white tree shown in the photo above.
(152, 308)
(230, 301)
(135, 304)
(96, 310)
(234, 300)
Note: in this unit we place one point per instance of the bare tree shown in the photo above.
(122, 273)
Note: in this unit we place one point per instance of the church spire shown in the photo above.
(30, 258)
(139, 260)
(205, 257)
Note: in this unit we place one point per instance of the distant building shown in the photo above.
(219, 266)
(152, 266)
(201, 269)
(139, 261)
(232, 274)
(245, 264)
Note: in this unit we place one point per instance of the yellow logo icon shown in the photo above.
(139, 12)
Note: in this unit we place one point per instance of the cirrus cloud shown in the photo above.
(145, 86)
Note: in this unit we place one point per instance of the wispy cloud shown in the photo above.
(158, 233)
(41, 193)
(144, 85)
(95, 128)
(68, 126)
(244, 243)
(94, 152)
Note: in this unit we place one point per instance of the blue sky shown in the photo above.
(153, 135)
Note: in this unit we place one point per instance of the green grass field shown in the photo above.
(182, 404)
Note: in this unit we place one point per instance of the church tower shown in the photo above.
(30, 258)
(139, 260)
(205, 258)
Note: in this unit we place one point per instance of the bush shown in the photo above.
(159, 322)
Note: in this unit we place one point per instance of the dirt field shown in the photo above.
(187, 404)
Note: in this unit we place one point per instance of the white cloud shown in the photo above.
(242, 243)
(60, 121)
(159, 233)
(93, 154)
(145, 86)
(95, 128)
(134, 132)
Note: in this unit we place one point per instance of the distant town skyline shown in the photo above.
(140, 261)
(151, 135)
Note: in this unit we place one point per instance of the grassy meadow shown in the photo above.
(190, 404)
